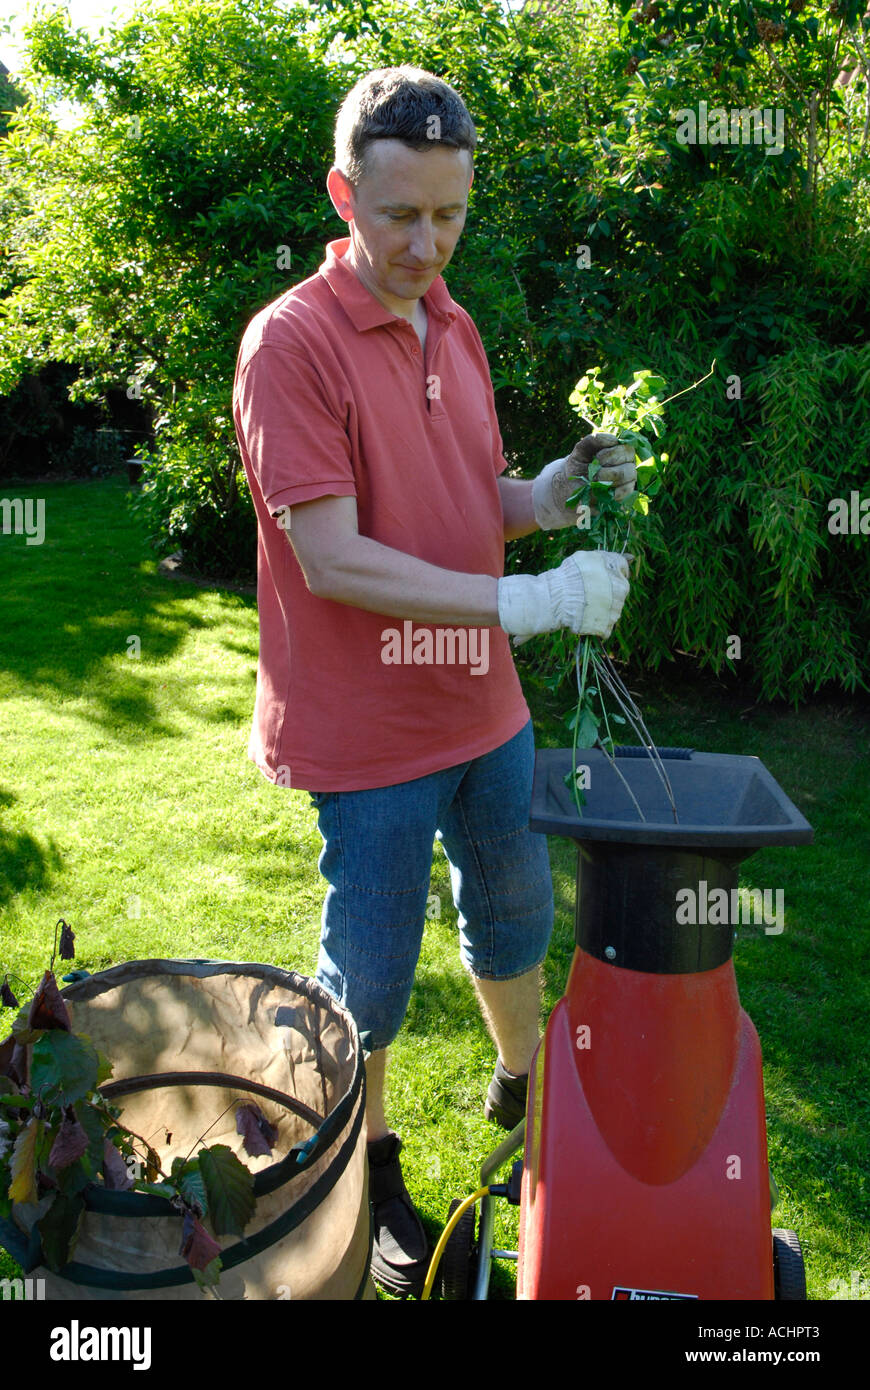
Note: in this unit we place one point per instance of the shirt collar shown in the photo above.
(360, 305)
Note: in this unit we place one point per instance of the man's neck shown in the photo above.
(416, 314)
(420, 321)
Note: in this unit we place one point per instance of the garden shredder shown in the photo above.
(645, 1172)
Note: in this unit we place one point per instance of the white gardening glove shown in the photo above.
(585, 594)
(553, 486)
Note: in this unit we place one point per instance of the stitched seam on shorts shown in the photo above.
(530, 883)
(384, 955)
(378, 984)
(518, 917)
(521, 831)
(373, 929)
(384, 892)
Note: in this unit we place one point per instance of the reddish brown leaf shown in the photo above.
(13, 1062)
(47, 1009)
(19, 1070)
(258, 1134)
(197, 1246)
(7, 997)
(70, 1143)
(115, 1171)
(66, 950)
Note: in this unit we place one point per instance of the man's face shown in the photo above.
(405, 217)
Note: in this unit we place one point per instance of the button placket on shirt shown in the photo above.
(434, 408)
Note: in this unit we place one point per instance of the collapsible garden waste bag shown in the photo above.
(186, 1040)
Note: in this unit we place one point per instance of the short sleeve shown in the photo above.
(293, 429)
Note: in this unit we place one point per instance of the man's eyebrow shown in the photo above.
(407, 207)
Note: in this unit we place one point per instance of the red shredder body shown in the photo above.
(645, 1170)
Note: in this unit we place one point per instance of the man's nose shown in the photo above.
(422, 245)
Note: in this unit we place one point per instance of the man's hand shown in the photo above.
(585, 594)
(552, 488)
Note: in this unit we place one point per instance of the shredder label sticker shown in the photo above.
(621, 1295)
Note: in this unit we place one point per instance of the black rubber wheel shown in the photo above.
(789, 1275)
(458, 1263)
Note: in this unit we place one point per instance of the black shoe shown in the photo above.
(506, 1097)
(401, 1251)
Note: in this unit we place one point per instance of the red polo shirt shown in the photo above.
(332, 396)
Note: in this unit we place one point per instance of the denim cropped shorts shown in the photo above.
(377, 860)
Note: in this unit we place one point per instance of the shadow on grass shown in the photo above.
(70, 605)
(24, 862)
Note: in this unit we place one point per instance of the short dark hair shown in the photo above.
(407, 104)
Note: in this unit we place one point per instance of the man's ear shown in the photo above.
(340, 193)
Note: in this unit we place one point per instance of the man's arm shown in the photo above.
(517, 507)
(340, 564)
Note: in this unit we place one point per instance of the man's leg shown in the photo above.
(512, 1011)
(377, 860)
(376, 1124)
(502, 887)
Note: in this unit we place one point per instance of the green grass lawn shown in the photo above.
(129, 807)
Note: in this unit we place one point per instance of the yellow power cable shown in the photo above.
(445, 1236)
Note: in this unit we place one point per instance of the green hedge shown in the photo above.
(141, 244)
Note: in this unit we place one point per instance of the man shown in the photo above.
(365, 416)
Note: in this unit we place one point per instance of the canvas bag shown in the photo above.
(187, 1039)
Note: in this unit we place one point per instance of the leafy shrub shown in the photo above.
(141, 246)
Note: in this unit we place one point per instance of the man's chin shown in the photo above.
(406, 285)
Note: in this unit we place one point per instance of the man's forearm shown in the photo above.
(379, 579)
(517, 508)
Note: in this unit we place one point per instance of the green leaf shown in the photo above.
(155, 1189)
(190, 1182)
(94, 1127)
(104, 1069)
(18, 1102)
(59, 1230)
(229, 1188)
(193, 1189)
(72, 1179)
(587, 730)
(64, 1067)
(207, 1278)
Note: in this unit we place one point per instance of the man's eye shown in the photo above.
(401, 216)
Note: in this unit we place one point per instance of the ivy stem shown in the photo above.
(11, 975)
(237, 1101)
(595, 666)
(131, 1134)
(645, 410)
(581, 689)
(607, 673)
(611, 757)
